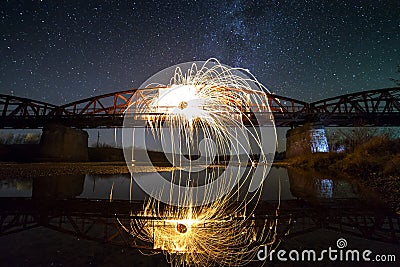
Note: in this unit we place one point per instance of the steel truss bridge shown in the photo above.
(95, 220)
(380, 107)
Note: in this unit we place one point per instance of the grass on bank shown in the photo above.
(379, 155)
(376, 163)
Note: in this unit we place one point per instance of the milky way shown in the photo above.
(61, 51)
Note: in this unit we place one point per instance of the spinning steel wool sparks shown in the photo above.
(204, 117)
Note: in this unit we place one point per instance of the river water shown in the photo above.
(293, 184)
(42, 244)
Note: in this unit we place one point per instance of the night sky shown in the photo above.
(61, 51)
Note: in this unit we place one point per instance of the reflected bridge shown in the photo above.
(96, 220)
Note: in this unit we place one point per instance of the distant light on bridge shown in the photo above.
(319, 142)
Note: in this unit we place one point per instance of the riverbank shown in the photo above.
(387, 186)
(70, 168)
(36, 169)
(376, 164)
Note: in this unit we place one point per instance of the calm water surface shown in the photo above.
(43, 246)
(293, 184)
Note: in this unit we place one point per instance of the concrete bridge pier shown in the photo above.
(61, 143)
(305, 140)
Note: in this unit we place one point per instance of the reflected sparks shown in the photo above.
(202, 236)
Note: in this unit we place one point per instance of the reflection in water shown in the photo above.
(15, 187)
(276, 184)
(224, 234)
(99, 186)
(95, 221)
(294, 183)
(326, 188)
(220, 233)
(66, 186)
(309, 184)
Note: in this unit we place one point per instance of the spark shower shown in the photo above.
(213, 125)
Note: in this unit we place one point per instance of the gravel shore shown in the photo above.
(70, 168)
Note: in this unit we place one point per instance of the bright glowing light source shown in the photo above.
(169, 98)
(181, 100)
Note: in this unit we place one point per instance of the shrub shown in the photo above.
(392, 166)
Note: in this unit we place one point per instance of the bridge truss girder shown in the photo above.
(370, 108)
(17, 112)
